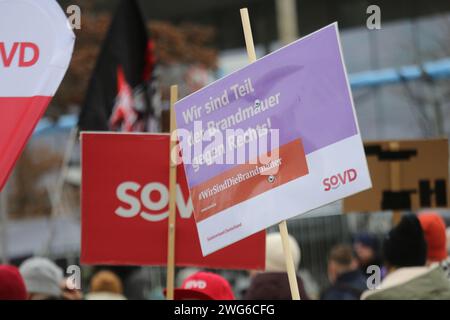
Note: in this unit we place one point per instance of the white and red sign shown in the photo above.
(273, 140)
(125, 199)
(36, 45)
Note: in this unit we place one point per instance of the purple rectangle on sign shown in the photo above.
(303, 87)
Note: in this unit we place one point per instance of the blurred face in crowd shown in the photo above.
(335, 269)
(364, 253)
(341, 260)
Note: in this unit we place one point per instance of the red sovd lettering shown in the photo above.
(335, 181)
(24, 47)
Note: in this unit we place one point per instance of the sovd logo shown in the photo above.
(337, 180)
(154, 197)
(195, 284)
(27, 53)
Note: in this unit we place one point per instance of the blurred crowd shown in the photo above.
(411, 262)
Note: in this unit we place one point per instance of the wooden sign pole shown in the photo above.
(172, 198)
(395, 180)
(283, 225)
(290, 266)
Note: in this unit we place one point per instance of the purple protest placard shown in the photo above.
(290, 116)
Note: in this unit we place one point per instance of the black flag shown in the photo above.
(120, 91)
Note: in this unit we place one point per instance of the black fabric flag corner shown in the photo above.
(120, 90)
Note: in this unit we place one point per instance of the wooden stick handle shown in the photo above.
(290, 266)
(248, 35)
(394, 167)
(172, 199)
(283, 226)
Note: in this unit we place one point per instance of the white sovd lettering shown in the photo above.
(134, 202)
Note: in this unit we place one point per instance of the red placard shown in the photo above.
(125, 206)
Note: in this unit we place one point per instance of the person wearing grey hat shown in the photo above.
(42, 278)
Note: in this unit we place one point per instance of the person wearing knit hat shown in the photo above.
(105, 285)
(408, 278)
(275, 261)
(273, 284)
(43, 278)
(12, 286)
(433, 227)
(405, 244)
(435, 234)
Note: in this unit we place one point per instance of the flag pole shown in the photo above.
(283, 225)
(172, 197)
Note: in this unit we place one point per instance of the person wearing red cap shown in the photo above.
(435, 235)
(204, 286)
(12, 286)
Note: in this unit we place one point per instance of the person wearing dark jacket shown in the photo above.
(273, 284)
(347, 281)
(408, 278)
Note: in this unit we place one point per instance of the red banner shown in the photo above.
(36, 45)
(18, 117)
(125, 200)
